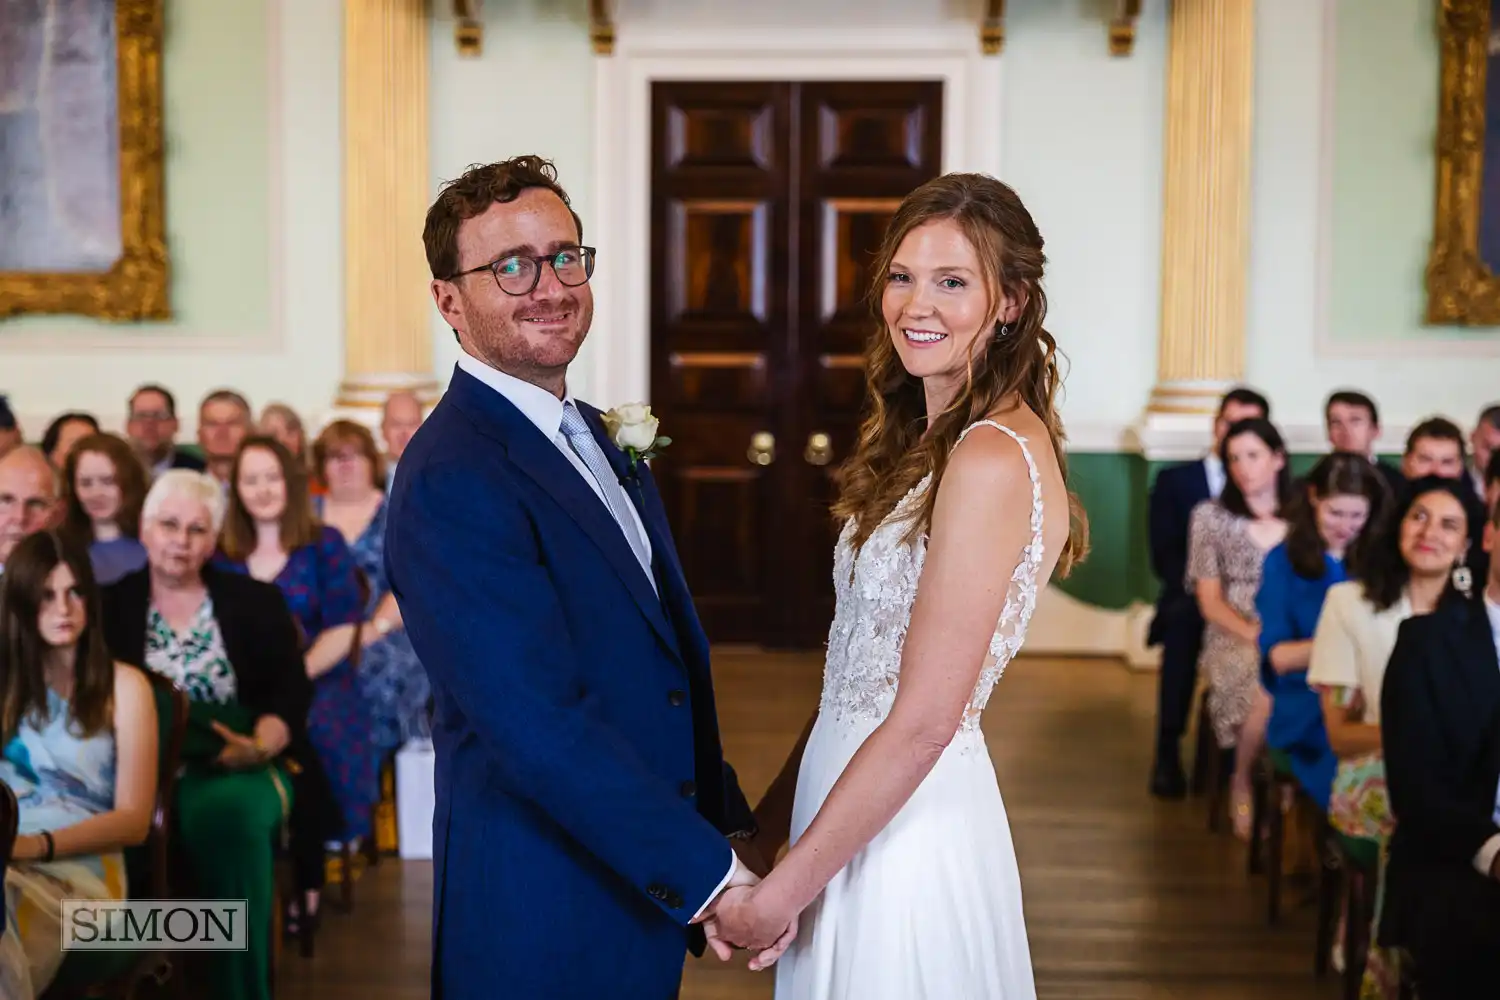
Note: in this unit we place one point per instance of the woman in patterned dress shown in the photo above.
(270, 533)
(394, 683)
(230, 643)
(1228, 539)
(79, 733)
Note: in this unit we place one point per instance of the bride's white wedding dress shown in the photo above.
(931, 908)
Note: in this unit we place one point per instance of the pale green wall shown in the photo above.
(217, 108)
(1385, 114)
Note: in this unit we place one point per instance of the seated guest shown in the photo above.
(281, 422)
(223, 422)
(103, 489)
(10, 431)
(1440, 718)
(399, 419)
(1435, 447)
(1492, 483)
(63, 433)
(231, 644)
(392, 679)
(1178, 626)
(270, 533)
(79, 737)
(1406, 574)
(1227, 544)
(1485, 439)
(151, 426)
(1329, 530)
(1354, 426)
(28, 496)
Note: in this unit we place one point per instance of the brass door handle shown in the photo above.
(819, 450)
(762, 448)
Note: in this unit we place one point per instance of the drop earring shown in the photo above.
(1004, 331)
(1463, 580)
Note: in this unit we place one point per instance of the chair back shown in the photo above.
(359, 627)
(10, 816)
(171, 725)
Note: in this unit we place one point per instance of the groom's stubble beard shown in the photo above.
(501, 340)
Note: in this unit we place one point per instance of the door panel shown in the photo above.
(769, 201)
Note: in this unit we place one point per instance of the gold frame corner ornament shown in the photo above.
(992, 28)
(601, 28)
(136, 287)
(468, 28)
(1461, 288)
(1122, 27)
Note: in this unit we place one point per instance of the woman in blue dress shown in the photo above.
(271, 534)
(1330, 528)
(79, 736)
(354, 502)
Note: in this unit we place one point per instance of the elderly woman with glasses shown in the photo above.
(229, 641)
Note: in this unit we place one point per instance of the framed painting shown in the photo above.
(81, 175)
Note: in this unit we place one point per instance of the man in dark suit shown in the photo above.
(1440, 729)
(584, 811)
(152, 429)
(1353, 425)
(1178, 625)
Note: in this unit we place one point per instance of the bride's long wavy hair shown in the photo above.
(896, 448)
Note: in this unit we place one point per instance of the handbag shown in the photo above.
(1359, 805)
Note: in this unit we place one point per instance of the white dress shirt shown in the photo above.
(546, 411)
(1213, 468)
(1485, 857)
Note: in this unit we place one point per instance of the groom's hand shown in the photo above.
(740, 878)
(743, 919)
(750, 855)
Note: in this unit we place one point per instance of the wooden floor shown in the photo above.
(1126, 898)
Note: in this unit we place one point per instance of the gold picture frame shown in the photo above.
(1461, 288)
(136, 286)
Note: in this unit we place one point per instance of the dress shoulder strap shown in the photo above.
(1034, 553)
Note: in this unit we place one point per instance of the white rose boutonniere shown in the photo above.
(632, 428)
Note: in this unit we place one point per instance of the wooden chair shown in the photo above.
(1358, 874)
(10, 816)
(1209, 775)
(346, 852)
(148, 868)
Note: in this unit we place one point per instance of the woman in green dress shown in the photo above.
(229, 641)
(79, 738)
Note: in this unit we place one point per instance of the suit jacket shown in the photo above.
(1440, 728)
(581, 792)
(1177, 490)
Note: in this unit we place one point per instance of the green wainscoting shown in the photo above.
(1114, 489)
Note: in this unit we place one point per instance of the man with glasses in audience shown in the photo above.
(28, 497)
(152, 429)
(1178, 625)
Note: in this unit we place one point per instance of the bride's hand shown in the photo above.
(745, 918)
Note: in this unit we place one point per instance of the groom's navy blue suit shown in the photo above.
(582, 794)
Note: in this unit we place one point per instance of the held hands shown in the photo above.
(744, 917)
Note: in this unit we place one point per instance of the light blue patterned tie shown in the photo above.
(586, 447)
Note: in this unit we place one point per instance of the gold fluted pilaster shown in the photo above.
(1206, 202)
(387, 331)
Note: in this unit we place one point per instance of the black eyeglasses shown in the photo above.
(518, 275)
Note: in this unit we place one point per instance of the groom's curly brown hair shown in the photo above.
(480, 186)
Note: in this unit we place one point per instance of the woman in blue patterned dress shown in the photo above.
(391, 676)
(271, 534)
(79, 737)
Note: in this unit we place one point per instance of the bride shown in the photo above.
(901, 880)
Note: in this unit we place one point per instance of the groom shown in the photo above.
(584, 807)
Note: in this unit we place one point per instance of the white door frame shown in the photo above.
(616, 362)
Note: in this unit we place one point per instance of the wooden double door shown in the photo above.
(768, 203)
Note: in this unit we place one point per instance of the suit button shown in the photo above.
(674, 901)
(688, 789)
(656, 892)
(677, 698)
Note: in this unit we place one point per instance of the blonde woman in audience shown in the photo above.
(104, 485)
(270, 533)
(391, 677)
(79, 737)
(1228, 539)
(1407, 575)
(230, 643)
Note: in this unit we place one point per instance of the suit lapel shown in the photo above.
(1482, 680)
(545, 465)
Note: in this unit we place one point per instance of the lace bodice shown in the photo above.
(874, 594)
